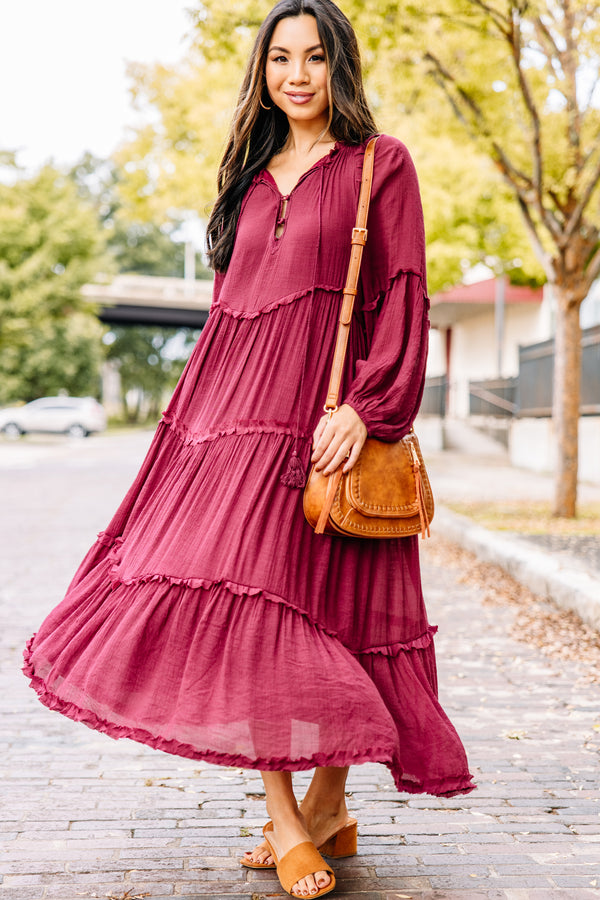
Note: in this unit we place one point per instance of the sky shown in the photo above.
(63, 87)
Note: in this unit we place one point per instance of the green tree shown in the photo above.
(143, 247)
(150, 362)
(510, 86)
(470, 216)
(520, 79)
(149, 359)
(50, 245)
(520, 84)
(172, 163)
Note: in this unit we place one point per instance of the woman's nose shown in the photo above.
(298, 74)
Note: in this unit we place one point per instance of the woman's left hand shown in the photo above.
(337, 438)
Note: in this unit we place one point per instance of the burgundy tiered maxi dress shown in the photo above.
(208, 620)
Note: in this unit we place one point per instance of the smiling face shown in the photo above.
(296, 71)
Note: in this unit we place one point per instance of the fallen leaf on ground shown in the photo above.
(128, 895)
(557, 633)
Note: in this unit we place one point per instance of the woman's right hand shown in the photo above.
(338, 437)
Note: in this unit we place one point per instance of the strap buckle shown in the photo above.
(359, 236)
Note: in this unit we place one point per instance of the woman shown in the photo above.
(209, 620)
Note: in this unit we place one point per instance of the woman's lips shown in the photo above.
(299, 98)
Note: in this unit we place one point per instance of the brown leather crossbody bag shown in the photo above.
(387, 493)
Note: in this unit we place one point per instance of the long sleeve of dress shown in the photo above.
(387, 390)
(388, 383)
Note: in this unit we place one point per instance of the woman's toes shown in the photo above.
(299, 890)
(322, 879)
(310, 885)
(259, 857)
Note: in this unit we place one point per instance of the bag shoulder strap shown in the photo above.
(359, 239)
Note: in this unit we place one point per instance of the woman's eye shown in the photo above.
(317, 58)
(279, 59)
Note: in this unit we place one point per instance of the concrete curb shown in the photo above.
(548, 576)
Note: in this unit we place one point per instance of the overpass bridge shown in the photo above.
(151, 300)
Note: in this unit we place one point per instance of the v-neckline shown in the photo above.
(316, 164)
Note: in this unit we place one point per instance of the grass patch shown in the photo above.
(119, 426)
(530, 518)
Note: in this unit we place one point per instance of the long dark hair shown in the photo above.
(257, 134)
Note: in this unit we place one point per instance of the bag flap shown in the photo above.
(382, 483)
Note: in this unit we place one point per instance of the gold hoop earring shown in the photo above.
(263, 105)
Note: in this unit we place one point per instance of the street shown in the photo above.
(84, 816)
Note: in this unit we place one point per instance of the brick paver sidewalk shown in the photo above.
(84, 816)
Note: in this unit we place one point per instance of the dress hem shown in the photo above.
(459, 784)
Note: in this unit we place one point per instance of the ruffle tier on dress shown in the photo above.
(208, 620)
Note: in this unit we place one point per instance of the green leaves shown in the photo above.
(495, 100)
(50, 245)
(149, 361)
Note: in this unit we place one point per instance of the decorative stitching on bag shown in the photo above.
(411, 507)
(394, 527)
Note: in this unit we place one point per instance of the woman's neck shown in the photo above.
(303, 138)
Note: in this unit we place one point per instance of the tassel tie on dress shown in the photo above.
(295, 474)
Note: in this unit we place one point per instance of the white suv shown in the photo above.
(76, 416)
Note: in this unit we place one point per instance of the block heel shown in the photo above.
(343, 843)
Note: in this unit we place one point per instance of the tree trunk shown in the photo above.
(566, 400)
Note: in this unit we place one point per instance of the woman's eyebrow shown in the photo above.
(308, 50)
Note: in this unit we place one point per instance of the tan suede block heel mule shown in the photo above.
(302, 860)
(342, 843)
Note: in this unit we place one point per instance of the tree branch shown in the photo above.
(457, 20)
(441, 83)
(591, 92)
(592, 270)
(548, 46)
(500, 21)
(551, 220)
(559, 205)
(446, 76)
(526, 188)
(545, 259)
(593, 149)
(543, 30)
(514, 40)
(526, 195)
(577, 214)
(517, 179)
(569, 64)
